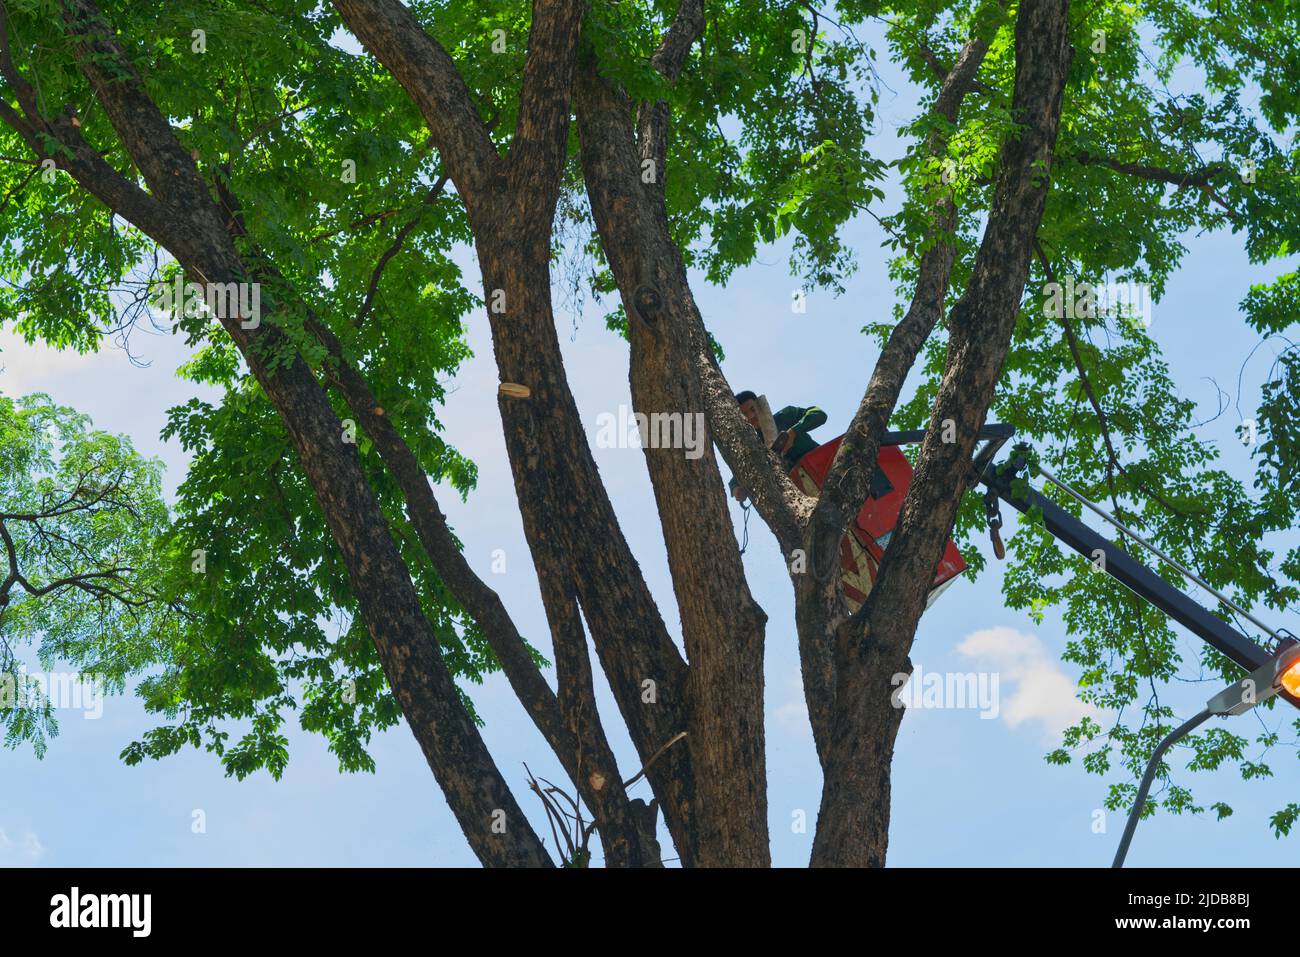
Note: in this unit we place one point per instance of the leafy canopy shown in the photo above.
(81, 515)
(770, 140)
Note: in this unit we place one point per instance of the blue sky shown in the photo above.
(968, 790)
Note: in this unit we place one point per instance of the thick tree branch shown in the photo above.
(782, 506)
(560, 494)
(872, 648)
(761, 472)
(562, 499)
(722, 626)
(389, 30)
(540, 144)
(570, 724)
(669, 60)
(628, 842)
(943, 72)
(675, 46)
(379, 578)
(819, 607)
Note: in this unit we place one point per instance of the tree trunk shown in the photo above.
(511, 203)
(852, 827)
(722, 625)
(182, 216)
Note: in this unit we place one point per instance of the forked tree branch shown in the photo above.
(872, 648)
(819, 604)
(191, 227)
(390, 31)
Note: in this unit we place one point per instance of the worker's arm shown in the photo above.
(794, 421)
(809, 420)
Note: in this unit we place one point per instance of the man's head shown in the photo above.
(748, 406)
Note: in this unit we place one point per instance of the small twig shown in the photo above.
(395, 247)
(551, 814)
(653, 758)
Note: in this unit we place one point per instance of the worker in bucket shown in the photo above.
(792, 439)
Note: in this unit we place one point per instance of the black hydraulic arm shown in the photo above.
(1135, 576)
(1116, 563)
(1121, 566)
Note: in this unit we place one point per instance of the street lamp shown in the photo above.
(1279, 673)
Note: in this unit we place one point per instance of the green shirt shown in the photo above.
(799, 422)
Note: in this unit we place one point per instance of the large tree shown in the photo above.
(81, 513)
(250, 147)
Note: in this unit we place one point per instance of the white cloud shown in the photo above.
(1034, 688)
(792, 714)
(36, 368)
(25, 851)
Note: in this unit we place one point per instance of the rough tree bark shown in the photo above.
(873, 646)
(511, 205)
(722, 625)
(180, 214)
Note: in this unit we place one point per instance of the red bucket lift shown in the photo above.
(864, 544)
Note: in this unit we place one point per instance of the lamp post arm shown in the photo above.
(1149, 776)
